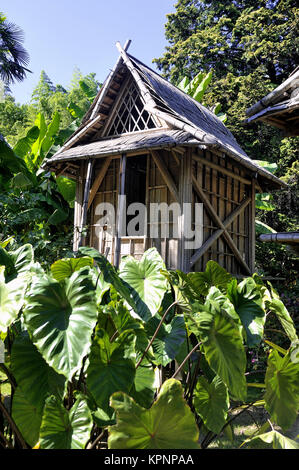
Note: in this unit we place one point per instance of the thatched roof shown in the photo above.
(187, 121)
(280, 108)
(155, 139)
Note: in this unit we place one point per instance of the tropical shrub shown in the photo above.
(140, 357)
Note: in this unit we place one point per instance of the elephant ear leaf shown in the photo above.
(168, 340)
(65, 267)
(36, 378)
(27, 416)
(211, 402)
(278, 440)
(62, 429)
(60, 318)
(110, 274)
(168, 424)
(214, 275)
(248, 302)
(11, 299)
(276, 306)
(282, 389)
(16, 262)
(146, 282)
(111, 366)
(222, 343)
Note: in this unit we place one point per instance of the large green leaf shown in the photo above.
(168, 424)
(11, 299)
(214, 275)
(201, 88)
(60, 318)
(211, 402)
(123, 321)
(143, 389)
(65, 267)
(67, 189)
(62, 429)
(223, 346)
(27, 416)
(36, 149)
(146, 282)
(21, 181)
(183, 289)
(23, 146)
(111, 366)
(16, 262)
(262, 202)
(9, 160)
(36, 378)
(58, 216)
(275, 438)
(272, 167)
(110, 275)
(282, 389)
(168, 340)
(248, 302)
(276, 306)
(51, 132)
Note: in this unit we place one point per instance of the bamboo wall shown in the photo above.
(225, 192)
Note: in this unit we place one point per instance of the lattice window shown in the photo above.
(131, 115)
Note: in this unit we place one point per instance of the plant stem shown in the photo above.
(93, 445)
(192, 383)
(155, 334)
(13, 426)
(9, 376)
(185, 360)
(5, 441)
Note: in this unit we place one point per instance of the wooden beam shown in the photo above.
(227, 222)
(98, 181)
(85, 200)
(185, 194)
(78, 207)
(166, 175)
(121, 208)
(221, 169)
(177, 160)
(252, 229)
(210, 209)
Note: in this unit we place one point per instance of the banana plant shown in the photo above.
(197, 87)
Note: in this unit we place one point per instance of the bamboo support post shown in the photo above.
(121, 208)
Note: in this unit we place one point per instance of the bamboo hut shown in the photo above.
(146, 139)
(280, 108)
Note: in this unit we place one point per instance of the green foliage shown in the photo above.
(111, 367)
(282, 389)
(251, 48)
(60, 318)
(211, 402)
(62, 429)
(168, 424)
(275, 438)
(83, 363)
(146, 283)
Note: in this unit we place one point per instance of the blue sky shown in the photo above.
(63, 34)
